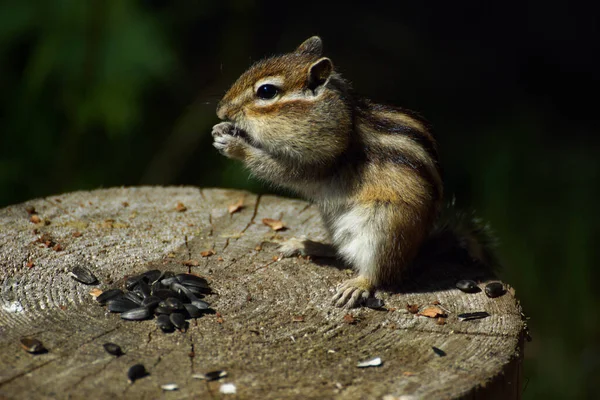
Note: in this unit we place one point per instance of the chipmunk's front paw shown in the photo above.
(353, 292)
(228, 140)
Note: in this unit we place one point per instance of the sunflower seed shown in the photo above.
(473, 315)
(136, 314)
(164, 293)
(120, 305)
(133, 297)
(164, 323)
(439, 352)
(109, 295)
(136, 372)
(142, 289)
(494, 289)
(170, 386)
(83, 275)
(151, 302)
(152, 275)
(374, 303)
(33, 346)
(132, 281)
(192, 280)
(172, 303)
(211, 376)
(113, 349)
(193, 311)
(202, 305)
(163, 310)
(468, 286)
(178, 321)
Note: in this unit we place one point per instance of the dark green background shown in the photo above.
(109, 92)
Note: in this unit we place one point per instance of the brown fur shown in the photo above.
(371, 169)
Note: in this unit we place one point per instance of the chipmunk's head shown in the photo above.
(293, 105)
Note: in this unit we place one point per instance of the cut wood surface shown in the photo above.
(275, 332)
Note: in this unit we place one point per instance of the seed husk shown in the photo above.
(178, 320)
(164, 323)
(376, 362)
(136, 314)
(494, 289)
(109, 295)
(112, 348)
(32, 346)
(120, 305)
(83, 275)
(136, 372)
(473, 315)
(468, 286)
(170, 386)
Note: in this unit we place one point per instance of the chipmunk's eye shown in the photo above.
(267, 91)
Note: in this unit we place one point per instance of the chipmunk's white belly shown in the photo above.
(357, 235)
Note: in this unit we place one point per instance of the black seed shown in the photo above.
(202, 305)
(109, 295)
(164, 323)
(133, 297)
(33, 346)
(152, 275)
(172, 303)
(193, 311)
(136, 314)
(113, 349)
(151, 302)
(193, 280)
(164, 293)
(473, 315)
(163, 310)
(178, 319)
(468, 286)
(83, 275)
(120, 305)
(214, 375)
(142, 289)
(155, 287)
(494, 289)
(439, 352)
(136, 372)
(132, 281)
(374, 303)
(168, 281)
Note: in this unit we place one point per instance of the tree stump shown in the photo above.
(275, 332)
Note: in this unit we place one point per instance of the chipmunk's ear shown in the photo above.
(312, 46)
(319, 73)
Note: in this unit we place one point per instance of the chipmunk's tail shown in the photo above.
(461, 237)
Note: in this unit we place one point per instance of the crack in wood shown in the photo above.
(212, 226)
(256, 205)
(28, 371)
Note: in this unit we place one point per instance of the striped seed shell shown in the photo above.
(136, 314)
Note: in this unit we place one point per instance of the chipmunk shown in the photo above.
(371, 169)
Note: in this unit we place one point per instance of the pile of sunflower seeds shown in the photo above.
(172, 298)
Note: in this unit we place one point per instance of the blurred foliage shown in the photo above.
(103, 93)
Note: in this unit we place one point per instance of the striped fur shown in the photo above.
(372, 169)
